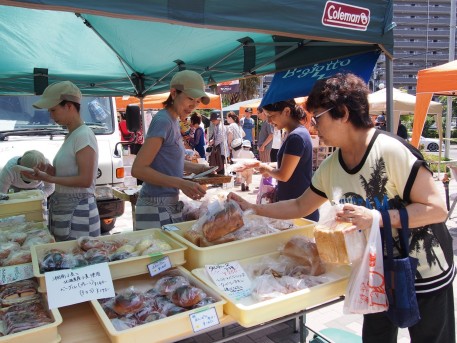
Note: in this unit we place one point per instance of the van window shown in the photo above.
(17, 113)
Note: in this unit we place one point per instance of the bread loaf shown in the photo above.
(223, 222)
(331, 244)
(303, 251)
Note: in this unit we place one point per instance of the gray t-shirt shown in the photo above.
(170, 157)
(265, 130)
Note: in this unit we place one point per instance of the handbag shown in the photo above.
(215, 158)
(236, 143)
(209, 149)
(399, 274)
(365, 292)
(267, 190)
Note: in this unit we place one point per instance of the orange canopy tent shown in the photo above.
(439, 80)
(155, 101)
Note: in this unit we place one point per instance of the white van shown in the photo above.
(23, 128)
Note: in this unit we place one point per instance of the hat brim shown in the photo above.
(198, 93)
(46, 103)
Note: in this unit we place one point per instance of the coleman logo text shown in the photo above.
(346, 16)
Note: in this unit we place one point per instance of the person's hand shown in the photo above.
(253, 164)
(193, 190)
(359, 216)
(37, 175)
(47, 168)
(245, 205)
(264, 169)
(261, 148)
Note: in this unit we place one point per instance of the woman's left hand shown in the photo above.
(359, 216)
(193, 190)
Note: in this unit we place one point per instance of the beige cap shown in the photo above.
(57, 92)
(32, 158)
(191, 83)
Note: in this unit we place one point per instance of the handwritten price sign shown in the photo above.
(204, 319)
(73, 286)
(231, 278)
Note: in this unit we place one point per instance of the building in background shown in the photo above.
(421, 40)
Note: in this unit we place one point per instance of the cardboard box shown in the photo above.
(249, 312)
(119, 269)
(161, 330)
(29, 203)
(200, 256)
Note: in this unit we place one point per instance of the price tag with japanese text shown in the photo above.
(231, 278)
(73, 286)
(204, 319)
(15, 273)
(159, 265)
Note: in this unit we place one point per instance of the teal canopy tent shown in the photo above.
(135, 47)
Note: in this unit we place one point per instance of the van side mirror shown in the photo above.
(133, 118)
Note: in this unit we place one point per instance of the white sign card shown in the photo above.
(159, 266)
(15, 273)
(204, 319)
(231, 278)
(170, 228)
(73, 286)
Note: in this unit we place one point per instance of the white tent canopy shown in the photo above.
(236, 106)
(404, 103)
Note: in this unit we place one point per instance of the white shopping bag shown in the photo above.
(366, 292)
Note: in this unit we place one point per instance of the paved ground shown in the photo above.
(330, 316)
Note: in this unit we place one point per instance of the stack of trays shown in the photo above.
(29, 203)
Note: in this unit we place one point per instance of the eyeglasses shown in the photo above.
(316, 116)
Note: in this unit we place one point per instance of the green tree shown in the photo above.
(249, 89)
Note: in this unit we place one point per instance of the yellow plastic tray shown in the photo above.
(44, 334)
(163, 329)
(249, 312)
(28, 203)
(200, 256)
(119, 269)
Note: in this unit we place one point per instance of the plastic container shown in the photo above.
(119, 269)
(249, 312)
(44, 334)
(29, 203)
(161, 330)
(200, 256)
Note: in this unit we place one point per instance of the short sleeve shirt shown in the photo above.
(247, 124)
(170, 158)
(65, 160)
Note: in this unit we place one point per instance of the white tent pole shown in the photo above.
(389, 94)
(451, 58)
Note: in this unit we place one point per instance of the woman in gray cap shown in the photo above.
(73, 208)
(160, 162)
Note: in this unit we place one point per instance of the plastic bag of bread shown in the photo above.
(221, 219)
(304, 251)
(334, 243)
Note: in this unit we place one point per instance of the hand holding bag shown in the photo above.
(400, 275)
(365, 292)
